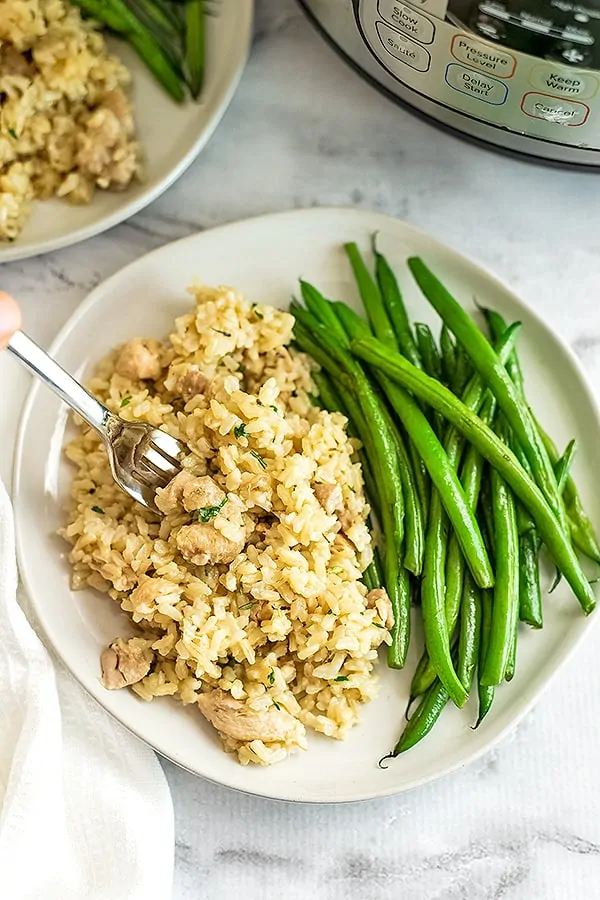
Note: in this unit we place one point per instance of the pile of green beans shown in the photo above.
(466, 486)
(167, 35)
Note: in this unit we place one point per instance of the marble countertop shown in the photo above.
(304, 130)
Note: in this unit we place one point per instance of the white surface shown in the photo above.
(74, 786)
(171, 136)
(523, 823)
(261, 258)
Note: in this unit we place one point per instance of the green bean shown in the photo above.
(420, 724)
(371, 298)
(485, 361)
(505, 608)
(378, 565)
(497, 324)
(494, 450)
(432, 365)
(437, 638)
(509, 672)
(195, 45)
(583, 534)
(428, 350)
(328, 393)
(485, 694)
(475, 397)
(352, 323)
(367, 577)
(355, 327)
(448, 352)
(397, 582)
(563, 466)
(445, 479)
(322, 309)
(470, 632)
(414, 526)
(422, 480)
(530, 592)
(374, 577)
(485, 516)
(392, 298)
(462, 370)
(111, 13)
(471, 475)
(163, 25)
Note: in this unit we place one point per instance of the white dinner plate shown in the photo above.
(264, 257)
(171, 135)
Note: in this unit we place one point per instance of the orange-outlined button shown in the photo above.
(484, 57)
(555, 110)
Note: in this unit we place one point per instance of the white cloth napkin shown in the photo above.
(85, 811)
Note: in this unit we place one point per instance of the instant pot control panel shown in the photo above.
(529, 67)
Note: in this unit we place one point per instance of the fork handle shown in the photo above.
(68, 389)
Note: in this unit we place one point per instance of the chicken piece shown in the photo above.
(12, 62)
(191, 383)
(125, 662)
(330, 497)
(202, 492)
(379, 600)
(138, 359)
(346, 520)
(170, 498)
(117, 103)
(231, 717)
(202, 543)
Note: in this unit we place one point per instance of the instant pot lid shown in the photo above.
(447, 60)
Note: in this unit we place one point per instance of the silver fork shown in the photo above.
(142, 458)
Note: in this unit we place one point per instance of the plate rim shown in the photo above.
(521, 707)
(12, 252)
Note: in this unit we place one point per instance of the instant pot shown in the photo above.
(521, 74)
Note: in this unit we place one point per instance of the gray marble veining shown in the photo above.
(304, 130)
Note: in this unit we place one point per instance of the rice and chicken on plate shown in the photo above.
(246, 594)
(66, 123)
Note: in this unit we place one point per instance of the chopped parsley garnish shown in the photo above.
(276, 704)
(259, 458)
(257, 312)
(209, 512)
(247, 605)
(13, 133)
(240, 431)
(218, 330)
(271, 406)
(97, 509)
(341, 678)
(125, 401)
(271, 677)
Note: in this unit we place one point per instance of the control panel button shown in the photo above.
(554, 109)
(564, 82)
(482, 56)
(482, 87)
(407, 20)
(403, 48)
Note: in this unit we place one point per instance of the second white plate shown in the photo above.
(171, 136)
(264, 257)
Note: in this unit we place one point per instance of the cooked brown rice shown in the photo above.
(282, 636)
(66, 126)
